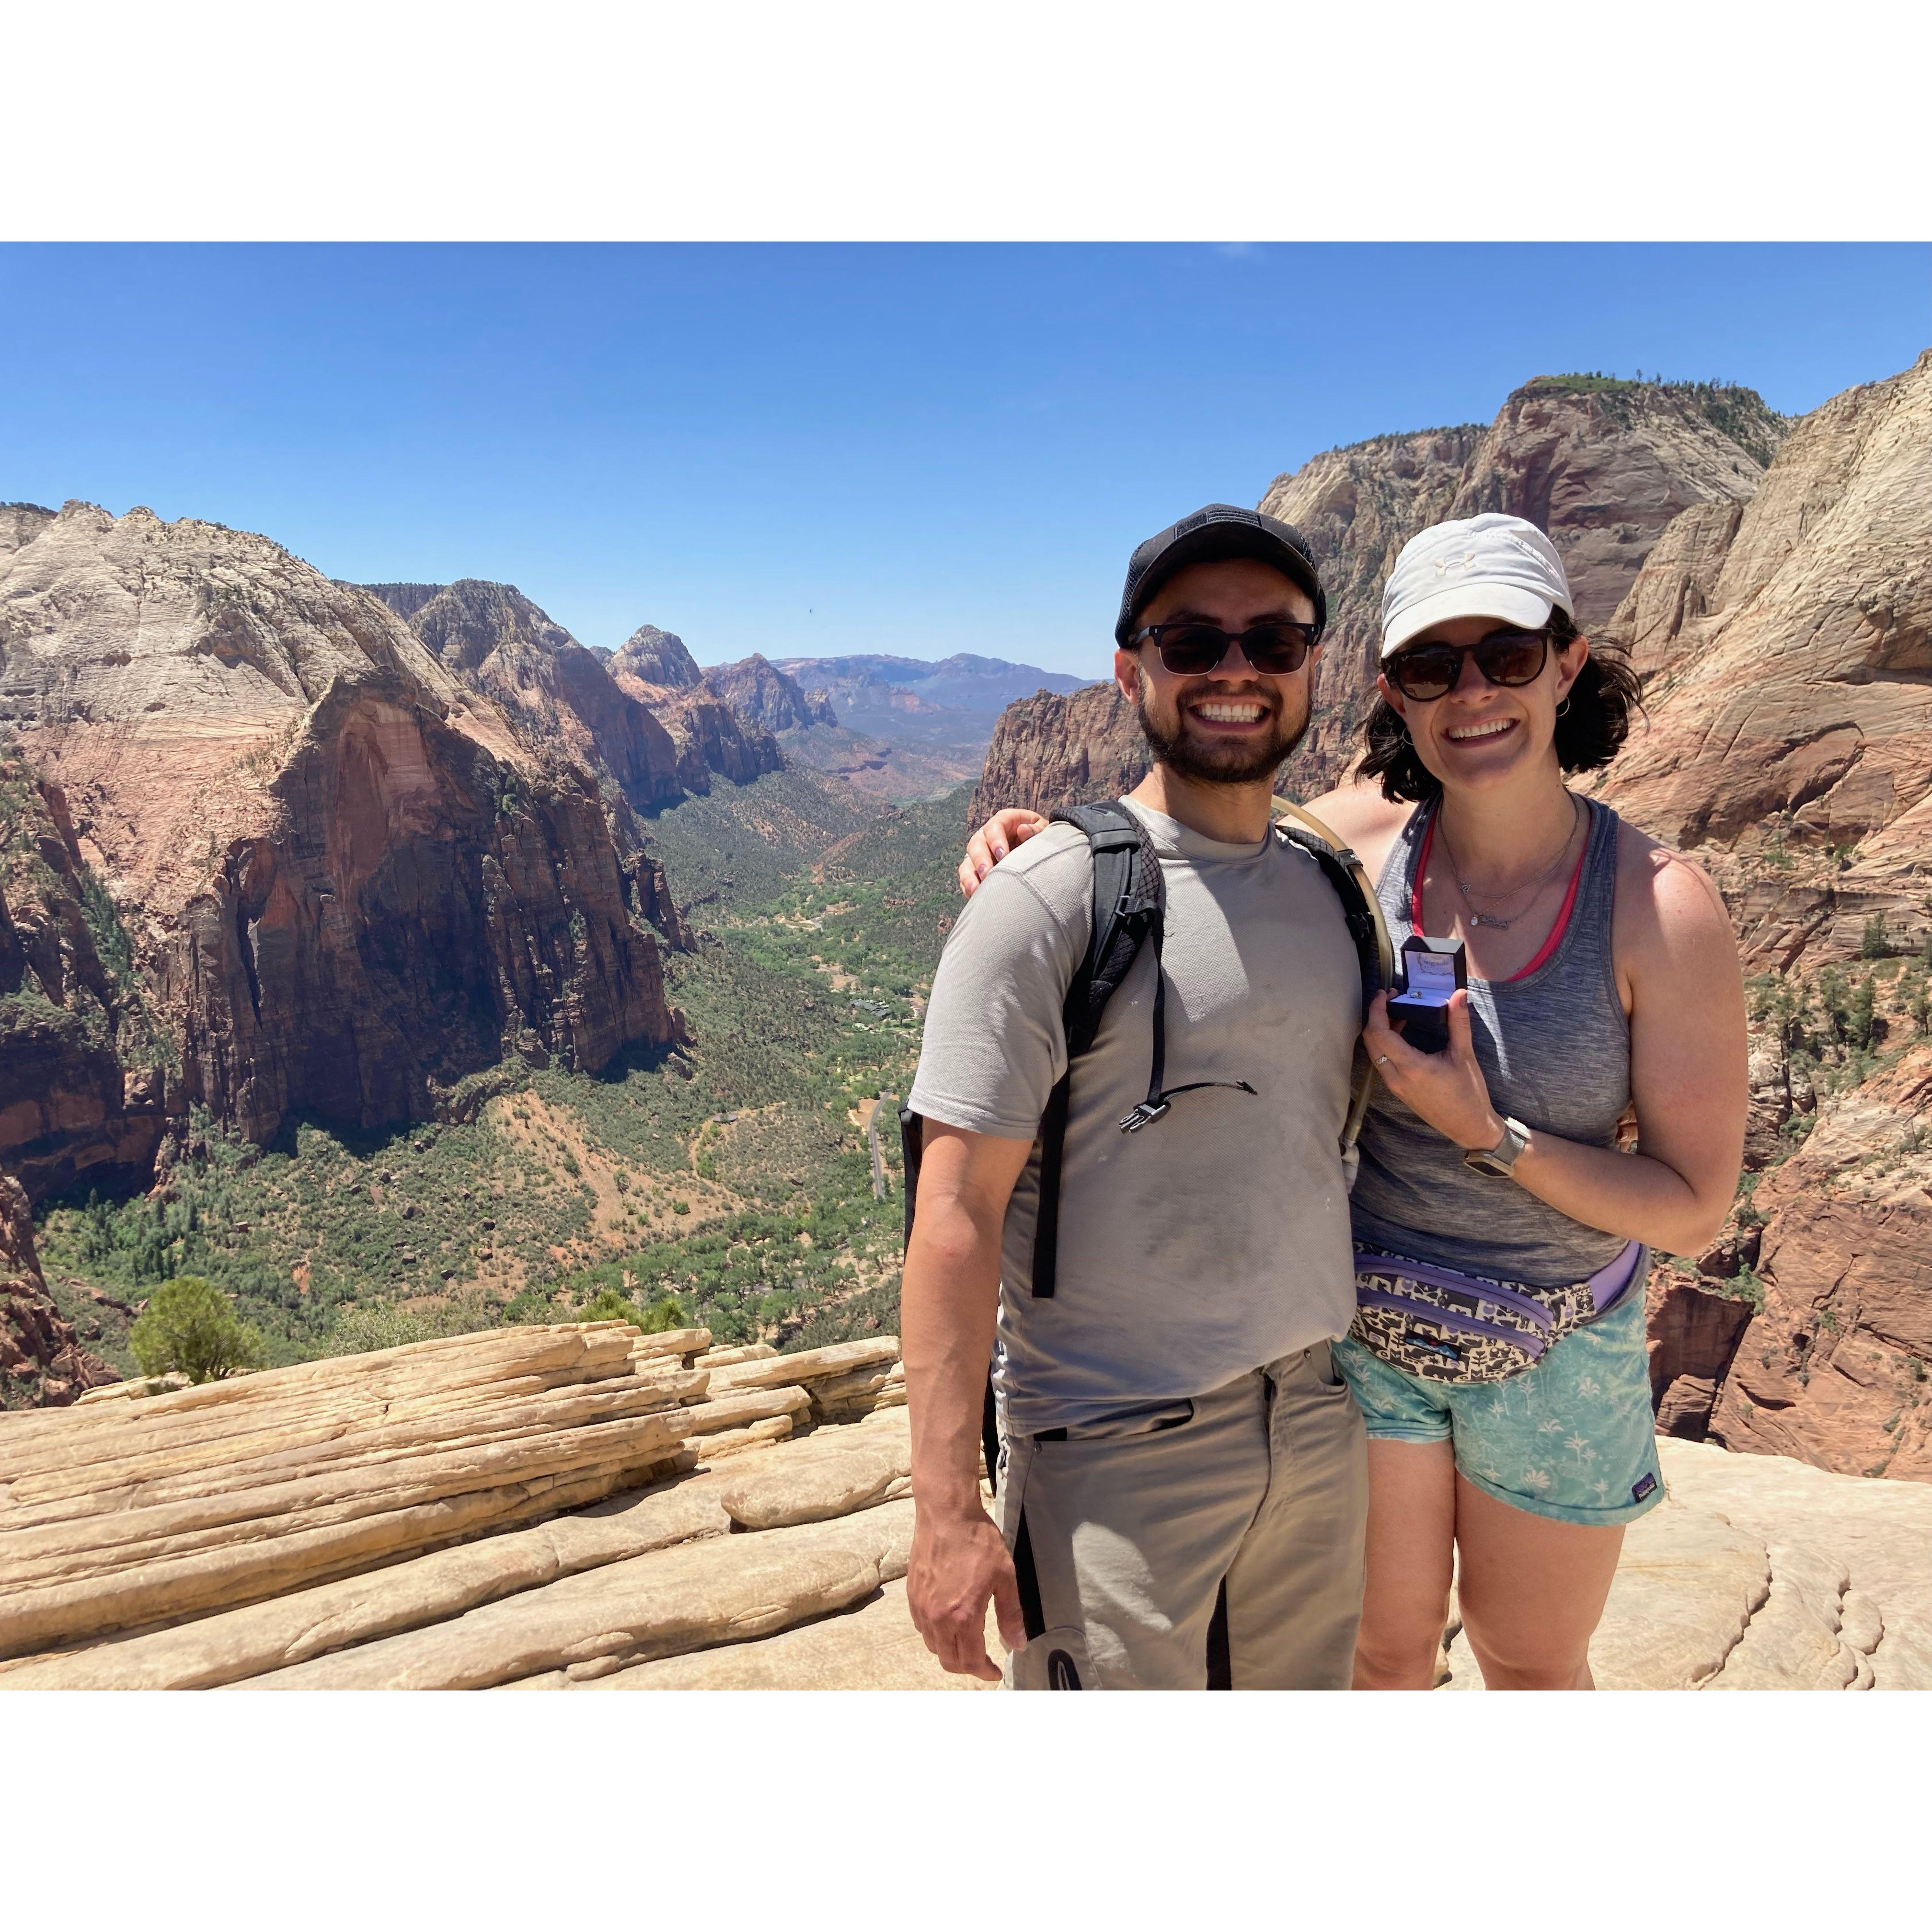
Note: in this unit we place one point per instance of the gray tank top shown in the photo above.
(1554, 1047)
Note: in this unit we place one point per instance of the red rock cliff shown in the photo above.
(347, 879)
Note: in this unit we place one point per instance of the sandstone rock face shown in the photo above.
(1693, 1335)
(1603, 471)
(1357, 506)
(80, 1095)
(759, 692)
(655, 668)
(659, 659)
(1050, 750)
(872, 1648)
(1788, 711)
(500, 643)
(42, 1362)
(207, 1535)
(1835, 1369)
(345, 879)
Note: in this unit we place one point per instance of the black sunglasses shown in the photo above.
(1430, 671)
(1192, 650)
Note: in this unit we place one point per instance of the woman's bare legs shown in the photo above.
(1531, 1590)
(1412, 1546)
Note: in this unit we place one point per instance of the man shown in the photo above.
(1181, 1496)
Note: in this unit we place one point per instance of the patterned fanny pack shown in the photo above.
(1449, 1327)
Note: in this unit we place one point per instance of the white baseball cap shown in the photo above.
(1487, 566)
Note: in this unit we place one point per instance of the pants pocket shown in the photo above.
(1140, 1418)
(1056, 1660)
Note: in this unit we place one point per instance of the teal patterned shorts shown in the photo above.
(1572, 1438)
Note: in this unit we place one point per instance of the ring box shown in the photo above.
(1430, 971)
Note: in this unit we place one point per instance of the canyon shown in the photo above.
(525, 972)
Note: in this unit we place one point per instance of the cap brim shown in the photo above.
(1212, 544)
(1502, 601)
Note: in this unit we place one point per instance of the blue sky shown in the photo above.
(804, 449)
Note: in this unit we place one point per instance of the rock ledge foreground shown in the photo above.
(580, 1506)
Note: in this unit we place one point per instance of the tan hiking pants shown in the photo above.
(1210, 1545)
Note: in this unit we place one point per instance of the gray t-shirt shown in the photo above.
(1217, 1238)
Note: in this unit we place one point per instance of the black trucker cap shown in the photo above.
(1220, 530)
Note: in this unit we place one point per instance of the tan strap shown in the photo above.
(1363, 1080)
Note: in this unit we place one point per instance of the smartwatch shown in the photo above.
(1500, 1159)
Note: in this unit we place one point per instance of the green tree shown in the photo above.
(190, 1327)
(613, 1304)
(1872, 943)
(1834, 997)
(1860, 1013)
(1913, 990)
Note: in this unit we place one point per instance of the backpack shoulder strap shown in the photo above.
(1128, 904)
(1362, 911)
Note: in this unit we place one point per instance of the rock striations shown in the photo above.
(369, 1521)
(1785, 644)
(581, 1507)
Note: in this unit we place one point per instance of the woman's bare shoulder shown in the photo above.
(1359, 814)
(1665, 899)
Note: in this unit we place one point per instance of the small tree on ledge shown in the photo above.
(190, 1327)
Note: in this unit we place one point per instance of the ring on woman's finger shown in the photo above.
(1382, 1060)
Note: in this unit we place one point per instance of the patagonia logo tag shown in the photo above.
(1642, 1487)
(1420, 1338)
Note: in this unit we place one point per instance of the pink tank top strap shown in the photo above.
(1556, 931)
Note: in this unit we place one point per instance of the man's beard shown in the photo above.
(1215, 761)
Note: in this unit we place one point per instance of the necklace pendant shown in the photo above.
(1489, 918)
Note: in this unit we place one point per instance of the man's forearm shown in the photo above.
(948, 1307)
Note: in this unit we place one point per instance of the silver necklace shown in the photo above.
(1478, 917)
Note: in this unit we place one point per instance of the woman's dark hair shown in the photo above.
(1590, 731)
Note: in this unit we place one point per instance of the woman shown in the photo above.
(1602, 976)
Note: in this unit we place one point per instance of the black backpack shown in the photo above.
(1129, 906)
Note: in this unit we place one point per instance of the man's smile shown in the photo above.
(1229, 711)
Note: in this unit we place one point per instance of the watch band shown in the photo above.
(1501, 1159)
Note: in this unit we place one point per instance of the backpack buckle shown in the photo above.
(1147, 1111)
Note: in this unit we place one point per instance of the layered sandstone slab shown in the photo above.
(874, 1647)
(828, 1474)
(143, 1511)
(660, 1605)
(1877, 1535)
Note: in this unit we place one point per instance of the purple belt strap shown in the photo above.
(1607, 1286)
